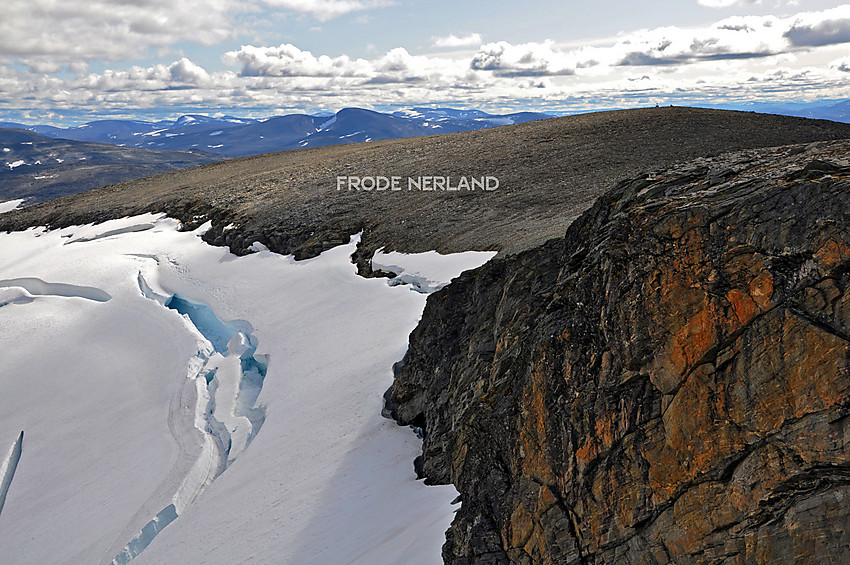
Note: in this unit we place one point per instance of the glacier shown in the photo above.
(214, 409)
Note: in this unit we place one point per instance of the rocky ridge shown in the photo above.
(550, 171)
(668, 383)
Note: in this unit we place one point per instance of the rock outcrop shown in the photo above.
(668, 383)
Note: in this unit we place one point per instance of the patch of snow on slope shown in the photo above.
(327, 124)
(430, 271)
(496, 121)
(10, 205)
(112, 421)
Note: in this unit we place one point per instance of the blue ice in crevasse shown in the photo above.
(219, 334)
(253, 369)
(211, 327)
(151, 529)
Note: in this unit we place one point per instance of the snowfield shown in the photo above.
(184, 405)
(10, 205)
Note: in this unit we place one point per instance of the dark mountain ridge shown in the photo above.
(38, 168)
(239, 137)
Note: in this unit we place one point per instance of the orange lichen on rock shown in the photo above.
(832, 252)
(761, 290)
(744, 306)
(689, 402)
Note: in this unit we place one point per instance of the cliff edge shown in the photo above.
(668, 383)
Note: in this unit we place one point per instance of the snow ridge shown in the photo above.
(7, 470)
(38, 287)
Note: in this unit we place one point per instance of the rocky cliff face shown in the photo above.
(666, 384)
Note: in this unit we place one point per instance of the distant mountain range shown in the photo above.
(35, 168)
(42, 162)
(238, 137)
(835, 111)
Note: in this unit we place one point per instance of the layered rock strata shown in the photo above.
(668, 383)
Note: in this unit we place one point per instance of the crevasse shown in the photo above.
(228, 376)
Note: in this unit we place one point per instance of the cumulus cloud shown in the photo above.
(471, 40)
(740, 37)
(527, 59)
(180, 74)
(733, 38)
(740, 59)
(821, 28)
(104, 29)
(287, 60)
(183, 86)
(185, 71)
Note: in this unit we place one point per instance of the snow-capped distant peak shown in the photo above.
(409, 114)
(185, 120)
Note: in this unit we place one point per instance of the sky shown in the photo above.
(64, 62)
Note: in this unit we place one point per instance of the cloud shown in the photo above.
(739, 59)
(747, 37)
(471, 40)
(524, 60)
(726, 3)
(186, 71)
(288, 60)
(842, 65)
(181, 74)
(38, 31)
(184, 87)
(817, 29)
(324, 10)
(103, 29)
